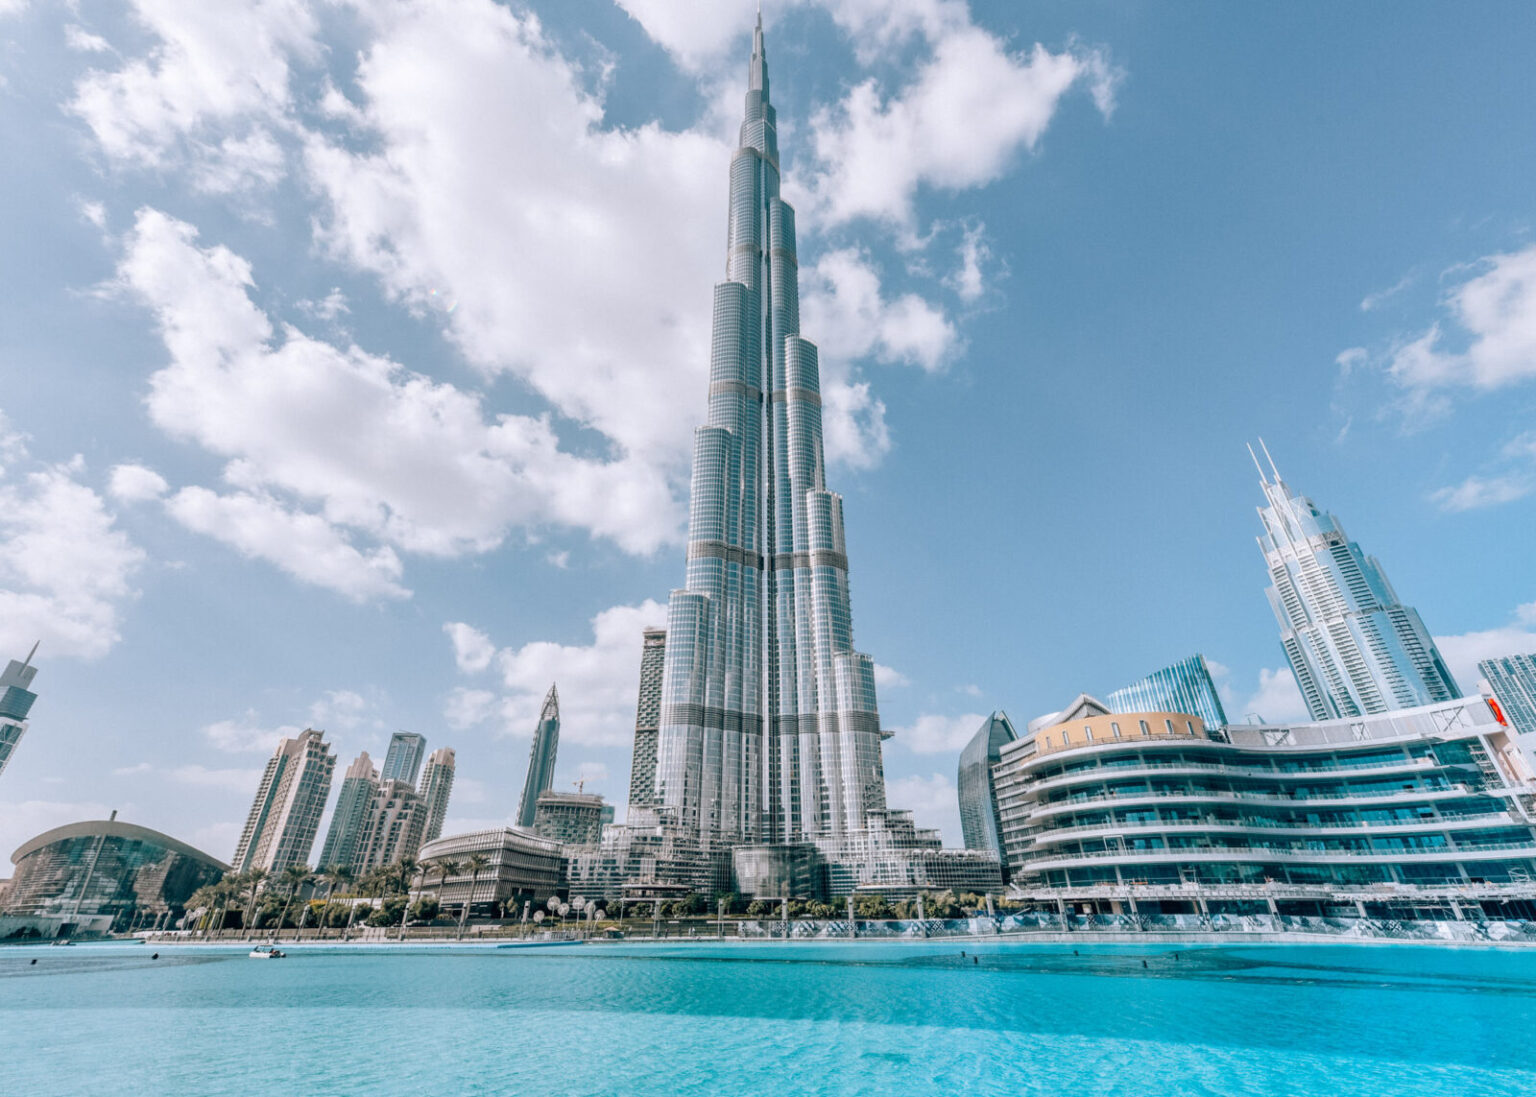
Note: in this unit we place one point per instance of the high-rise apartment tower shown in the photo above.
(436, 787)
(351, 814)
(642, 766)
(541, 759)
(1513, 681)
(280, 830)
(769, 727)
(1354, 647)
(402, 762)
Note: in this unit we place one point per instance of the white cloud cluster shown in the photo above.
(1515, 479)
(848, 316)
(934, 733)
(207, 91)
(66, 569)
(597, 682)
(472, 649)
(932, 800)
(1463, 651)
(1277, 698)
(326, 445)
(248, 734)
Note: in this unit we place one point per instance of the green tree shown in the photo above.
(761, 908)
(293, 879)
(252, 882)
(390, 912)
(478, 863)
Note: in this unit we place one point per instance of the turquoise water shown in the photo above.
(853, 1018)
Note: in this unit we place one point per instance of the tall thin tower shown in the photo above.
(769, 727)
(16, 700)
(541, 759)
(1354, 648)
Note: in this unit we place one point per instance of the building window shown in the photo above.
(1114, 729)
(1144, 729)
(1088, 733)
(1169, 724)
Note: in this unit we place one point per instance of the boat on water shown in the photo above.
(267, 952)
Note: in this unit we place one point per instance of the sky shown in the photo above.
(350, 354)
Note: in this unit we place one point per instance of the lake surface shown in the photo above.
(765, 1018)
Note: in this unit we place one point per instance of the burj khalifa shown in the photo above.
(769, 730)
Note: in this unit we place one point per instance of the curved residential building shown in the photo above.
(979, 819)
(1430, 801)
(1354, 647)
(100, 875)
(769, 728)
(521, 868)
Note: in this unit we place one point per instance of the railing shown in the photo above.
(1072, 830)
(1261, 852)
(1055, 806)
(1270, 773)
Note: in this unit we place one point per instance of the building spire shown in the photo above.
(757, 71)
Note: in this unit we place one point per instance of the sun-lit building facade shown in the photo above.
(980, 822)
(1186, 686)
(285, 815)
(435, 789)
(350, 818)
(769, 726)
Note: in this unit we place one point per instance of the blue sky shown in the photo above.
(351, 354)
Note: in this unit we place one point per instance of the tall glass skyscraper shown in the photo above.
(980, 821)
(769, 727)
(1354, 648)
(351, 815)
(642, 766)
(15, 703)
(541, 759)
(1186, 686)
(402, 762)
(436, 787)
(1513, 680)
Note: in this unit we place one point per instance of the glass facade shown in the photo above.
(15, 703)
(106, 875)
(1353, 647)
(436, 787)
(541, 759)
(1186, 686)
(642, 769)
(1513, 681)
(351, 814)
(573, 818)
(402, 762)
(769, 730)
(979, 819)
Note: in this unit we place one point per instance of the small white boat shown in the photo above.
(267, 952)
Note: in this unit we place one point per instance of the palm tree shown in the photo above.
(446, 867)
(477, 863)
(293, 878)
(253, 881)
(335, 876)
(407, 871)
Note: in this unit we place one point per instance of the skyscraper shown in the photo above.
(351, 814)
(15, 702)
(979, 819)
(402, 762)
(541, 759)
(1513, 680)
(436, 787)
(1186, 686)
(769, 729)
(642, 766)
(280, 830)
(397, 819)
(1354, 648)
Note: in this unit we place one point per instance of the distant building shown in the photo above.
(1185, 686)
(93, 877)
(642, 767)
(351, 815)
(1513, 681)
(1354, 647)
(523, 869)
(574, 818)
(397, 819)
(979, 820)
(15, 702)
(402, 762)
(280, 830)
(541, 759)
(436, 787)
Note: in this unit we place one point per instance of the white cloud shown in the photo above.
(969, 281)
(129, 771)
(932, 800)
(1375, 300)
(305, 546)
(890, 678)
(341, 708)
(1476, 492)
(591, 773)
(848, 315)
(1277, 699)
(467, 708)
(330, 307)
(248, 734)
(472, 649)
(130, 483)
(242, 163)
(81, 40)
(970, 109)
(932, 733)
(1494, 314)
(65, 567)
(330, 444)
(695, 34)
(213, 66)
